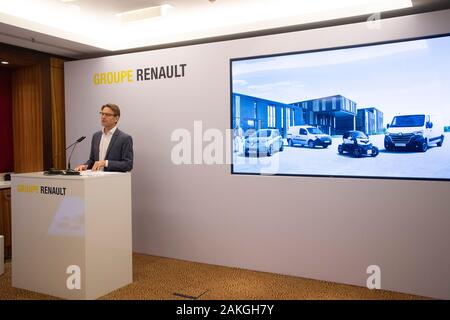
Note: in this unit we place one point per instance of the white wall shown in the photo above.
(298, 226)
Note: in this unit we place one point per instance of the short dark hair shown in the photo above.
(114, 107)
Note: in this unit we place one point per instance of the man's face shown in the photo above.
(108, 118)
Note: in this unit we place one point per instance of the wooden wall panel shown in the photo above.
(58, 113)
(27, 98)
(5, 220)
(46, 114)
(6, 141)
(38, 115)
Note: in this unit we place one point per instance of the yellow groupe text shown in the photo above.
(113, 77)
(27, 188)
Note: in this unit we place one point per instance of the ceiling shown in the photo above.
(85, 28)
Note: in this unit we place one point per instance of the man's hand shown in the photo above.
(81, 167)
(98, 165)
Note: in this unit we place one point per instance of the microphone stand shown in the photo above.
(69, 171)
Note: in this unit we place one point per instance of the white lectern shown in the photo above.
(71, 235)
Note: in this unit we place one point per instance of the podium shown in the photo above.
(71, 235)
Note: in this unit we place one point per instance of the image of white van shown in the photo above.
(307, 136)
(414, 132)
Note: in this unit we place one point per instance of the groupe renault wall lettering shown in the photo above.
(329, 98)
(140, 74)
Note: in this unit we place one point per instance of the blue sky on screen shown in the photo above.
(397, 78)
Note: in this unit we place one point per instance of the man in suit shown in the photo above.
(111, 149)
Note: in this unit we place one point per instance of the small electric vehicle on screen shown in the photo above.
(357, 144)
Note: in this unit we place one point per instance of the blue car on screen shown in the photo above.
(263, 142)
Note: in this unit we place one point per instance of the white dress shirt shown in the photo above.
(104, 143)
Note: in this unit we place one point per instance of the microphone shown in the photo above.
(70, 171)
(77, 141)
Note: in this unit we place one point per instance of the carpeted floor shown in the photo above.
(162, 278)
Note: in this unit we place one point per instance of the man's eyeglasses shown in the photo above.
(106, 114)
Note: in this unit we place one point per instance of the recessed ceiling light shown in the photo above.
(145, 13)
(5, 62)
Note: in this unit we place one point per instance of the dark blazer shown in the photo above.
(119, 153)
